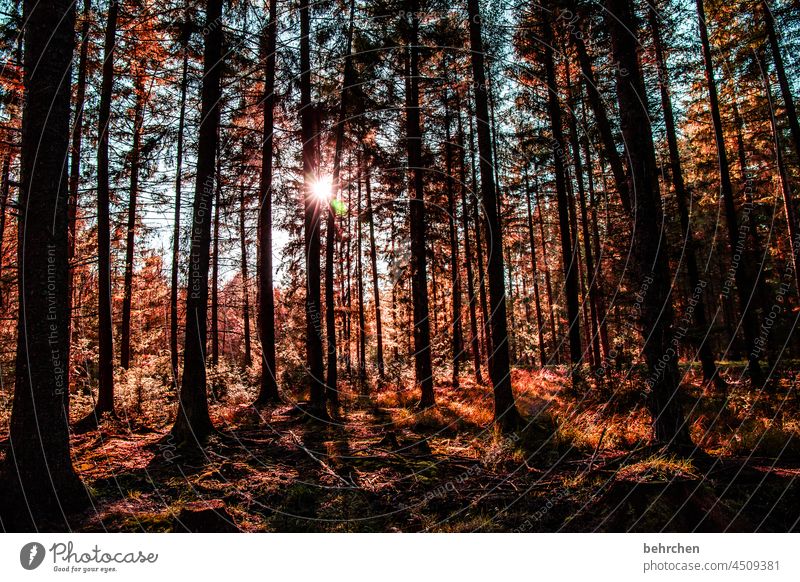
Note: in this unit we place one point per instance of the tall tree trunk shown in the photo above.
(742, 275)
(130, 239)
(5, 188)
(603, 124)
(40, 482)
(268, 389)
(419, 268)
(245, 279)
(547, 281)
(176, 229)
(596, 275)
(215, 272)
(362, 326)
(193, 421)
(105, 395)
(455, 279)
(487, 340)
(375, 278)
(783, 175)
(534, 273)
(74, 169)
(505, 410)
(682, 197)
(559, 154)
(330, 304)
(471, 298)
(783, 81)
(313, 219)
(649, 250)
(594, 340)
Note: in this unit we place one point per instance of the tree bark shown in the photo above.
(471, 298)
(783, 81)
(649, 251)
(331, 228)
(176, 232)
(74, 167)
(535, 274)
(193, 422)
(568, 255)
(375, 278)
(245, 279)
(683, 198)
(105, 396)
(419, 269)
(313, 219)
(40, 482)
(455, 279)
(742, 276)
(505, 410)
(138, 122)
(268, 389)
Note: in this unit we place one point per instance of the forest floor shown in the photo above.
(582, 464)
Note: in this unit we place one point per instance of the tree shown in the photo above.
(193, 422)
(313, 218)
(41, 482)
(649, 251)
(419, 268)
(268, 389)
(682, 197)
(505, 410)
(105, 391)
(742, 275)
(184, 34)
(568, 249)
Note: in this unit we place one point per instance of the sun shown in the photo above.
(323, 188)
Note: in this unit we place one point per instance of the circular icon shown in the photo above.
(31, 555)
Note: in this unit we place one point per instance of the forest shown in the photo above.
(399, 266)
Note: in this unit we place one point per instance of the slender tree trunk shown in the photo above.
(193, 422)
(597, 274)
(245, 280)
(74, 169)
(471, 298)
(682, 197)
(39, 479)
(487, 340)
(330, 311)
(455, 279)
(559, 155)
(783, 81)
(215, 272)
(375, 279)
(130, 239)
(603, 124)
(105, 396)
(5, 187)
(547, 281)
(783, 175)
(268, 389)
(649, 251)
(505, 410)
(419, 268)
(594, 340)
(176, 232)
(535, 274)
(362, 326)
(742, 276)
(313, 220)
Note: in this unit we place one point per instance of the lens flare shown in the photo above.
(323, 188)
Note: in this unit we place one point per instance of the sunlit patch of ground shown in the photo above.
(582, 461)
